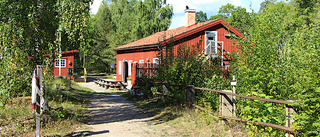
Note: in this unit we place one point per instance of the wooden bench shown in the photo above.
(100, 82)
(114, 84)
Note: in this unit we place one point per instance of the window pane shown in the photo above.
(155, 62)
(63, 63)
(56, 62)
(141, 61)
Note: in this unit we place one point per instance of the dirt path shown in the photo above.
(114, 116)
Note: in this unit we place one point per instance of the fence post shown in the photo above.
(166, 88)
(226, 104)
(289, 120)
(190, 95)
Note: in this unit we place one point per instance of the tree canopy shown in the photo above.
(28, 30)
(278, 58)
(119, 22)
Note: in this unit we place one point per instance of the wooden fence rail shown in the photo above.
(249, 97)
(190, 101)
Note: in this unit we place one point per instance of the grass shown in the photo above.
(176, 120)
(68, 111)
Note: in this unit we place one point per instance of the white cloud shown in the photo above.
(211, 7)
(95, 6)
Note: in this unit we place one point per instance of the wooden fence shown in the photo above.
(229, 97)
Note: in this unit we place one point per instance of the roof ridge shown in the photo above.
(161, 36)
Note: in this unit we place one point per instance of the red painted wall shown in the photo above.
(196, 38)
(64, 70)
(136, 55)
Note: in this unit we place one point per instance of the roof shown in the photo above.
(63, 53)
(177, 34)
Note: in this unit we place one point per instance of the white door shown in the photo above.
(119, 67)
(129, 67)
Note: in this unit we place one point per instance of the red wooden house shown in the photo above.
(67, 63)
(214, 34)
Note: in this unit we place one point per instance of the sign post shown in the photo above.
(234, 84)
(70, 73)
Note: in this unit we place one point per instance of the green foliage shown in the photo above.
(201, 17)
(145, 86)
(181, 66)
(303, 52)
(226, 10)
(262, 70)
(119, 22)
(279, 59)
(28, 30)
(237, 17)
(62, 82)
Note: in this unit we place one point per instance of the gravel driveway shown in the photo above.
(114, 116)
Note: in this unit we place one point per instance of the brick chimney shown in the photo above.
(190, 17)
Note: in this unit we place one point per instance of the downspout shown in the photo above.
(160, 60)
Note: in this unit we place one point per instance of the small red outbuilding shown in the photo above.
(67, 63)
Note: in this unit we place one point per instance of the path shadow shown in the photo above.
(86, 133)
(113, 108)
(93, 78)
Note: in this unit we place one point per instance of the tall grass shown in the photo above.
(176, 120)
(68, 111)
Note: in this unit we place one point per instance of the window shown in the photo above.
(148, 64)
(226, 67)
(129, 67)
(155, 62)
(141, 61)
(211, 42)
(63, 63)
(119, 68)
(140, 72)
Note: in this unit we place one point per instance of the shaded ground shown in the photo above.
(114, 116)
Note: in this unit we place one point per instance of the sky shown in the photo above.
(211, 7)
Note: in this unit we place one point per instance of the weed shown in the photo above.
(68, 111)
(176, 120)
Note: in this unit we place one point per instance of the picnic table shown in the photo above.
(116, 84)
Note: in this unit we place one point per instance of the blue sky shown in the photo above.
(211, 7)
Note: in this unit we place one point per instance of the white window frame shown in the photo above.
(141, 61)
(155, 62)
(227, 66)
(148, 64)
(129, 67)
(63, 65)
(215, 39)
(119, 68)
